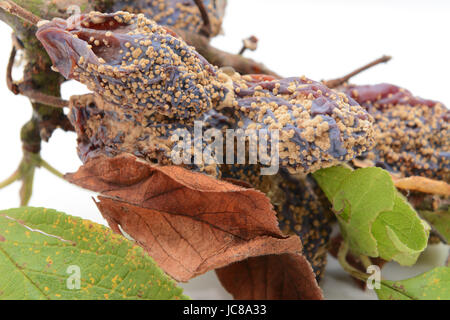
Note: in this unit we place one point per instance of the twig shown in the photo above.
(250, 43)
(9, 81)
(24, 89)
(44, 164)
(340, 81)
(365, 260)
(222, 58)
(206, 28)
(25, 173)
(342, 258)
(26, 190)
(18, 11)
(14, 177)
(36, 96)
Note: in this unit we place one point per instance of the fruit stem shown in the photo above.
(14, 177)
(340, 81)
(342, 258)
(365, 260)
(44, 164)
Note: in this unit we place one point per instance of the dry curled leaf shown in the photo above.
(423, 184)
(191, 223)
(300, 209)
(243, 278)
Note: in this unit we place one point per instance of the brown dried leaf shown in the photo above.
(365, 163)
(243, 279)
(191, 223)
(422, 184)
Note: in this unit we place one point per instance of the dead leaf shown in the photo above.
(277, 271)
(301, 208)
(191, 223)
(422, 184)
(363, 163)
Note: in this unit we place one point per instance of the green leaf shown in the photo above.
(431, 285)
(401, 235)
(362, 195)
(440, 220)
(43, 251)
(331, 178)
(374, 218)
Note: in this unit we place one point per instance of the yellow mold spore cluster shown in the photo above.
(412, 134)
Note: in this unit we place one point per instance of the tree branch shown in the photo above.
(18, 11)
(206, 28)
(39, 97)
(340, 81)
(26, 89)
(9, 81)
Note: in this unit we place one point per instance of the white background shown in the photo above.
(320, 39)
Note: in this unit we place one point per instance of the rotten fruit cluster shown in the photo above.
(148, 82)
(411, 133)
